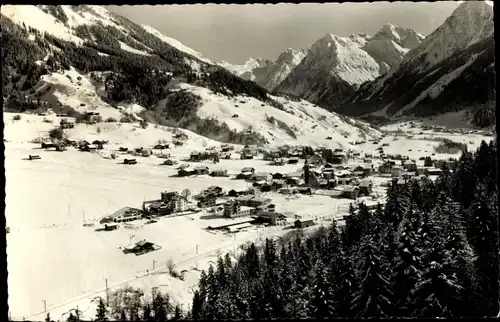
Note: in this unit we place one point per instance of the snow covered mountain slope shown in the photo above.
(336, 66)
(452, 69)
(78, 59)
(253, 69)
(265, 72)
(298, 120)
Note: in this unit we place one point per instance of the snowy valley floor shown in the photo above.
(52, 257)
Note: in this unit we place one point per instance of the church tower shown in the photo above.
(306, 171)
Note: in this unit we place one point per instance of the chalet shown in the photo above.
(303, 223)
(286, 191)
(293, 181)
(170, 162)
(207, 201)
(252, 201)
(351, 192)
(277, 184)
(246, 155)
(386, 167)
(278, 162)
(409, 175)
(266, 187)
(271, 155)
(365, 187)
(433, 171)
(194, 156)
(130, 161)
(248, 169)
(185, 172)
(110, 227)
(339, 157)
(293, 160)
(219, 173)
(315, 160)
(271, 218)
(365, 169)
(278, 175)
(410, 166)
(201, 170)
(396, 171)
(141, 247)
(234, 193)
(304, 190)
(269, 207)
(60, 147)
(48, 145)
(261, 176)
(122, 149)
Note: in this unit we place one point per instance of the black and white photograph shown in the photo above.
(250, 161)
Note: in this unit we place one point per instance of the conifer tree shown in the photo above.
(177, 313)
(321, 305)
(101, 314)
(397, 204)
(484, 237)
(434, 293)
(146, 315)
(160, 307)
(47, 318)
(374, 297)
(71, 317)
(197, 309)
(407, 264)
(465, 180)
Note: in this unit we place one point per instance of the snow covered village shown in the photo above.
(145, 181)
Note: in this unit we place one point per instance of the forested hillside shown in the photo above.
(142, 76)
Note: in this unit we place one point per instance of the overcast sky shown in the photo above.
(235, 33)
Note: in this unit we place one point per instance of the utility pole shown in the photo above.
(107, 291)
(154, 264)
(83, 215)
(44, 306)
(197, 249)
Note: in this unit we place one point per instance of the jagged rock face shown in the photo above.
(265, 72)
(452, 69)
(348, 62)
(285, 63)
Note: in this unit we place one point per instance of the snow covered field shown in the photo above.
(52, 257)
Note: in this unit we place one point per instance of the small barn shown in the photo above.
(262, 176)
(201, 170)
(303, 223)
(351, 192)
(219, 173)
(185, 172)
